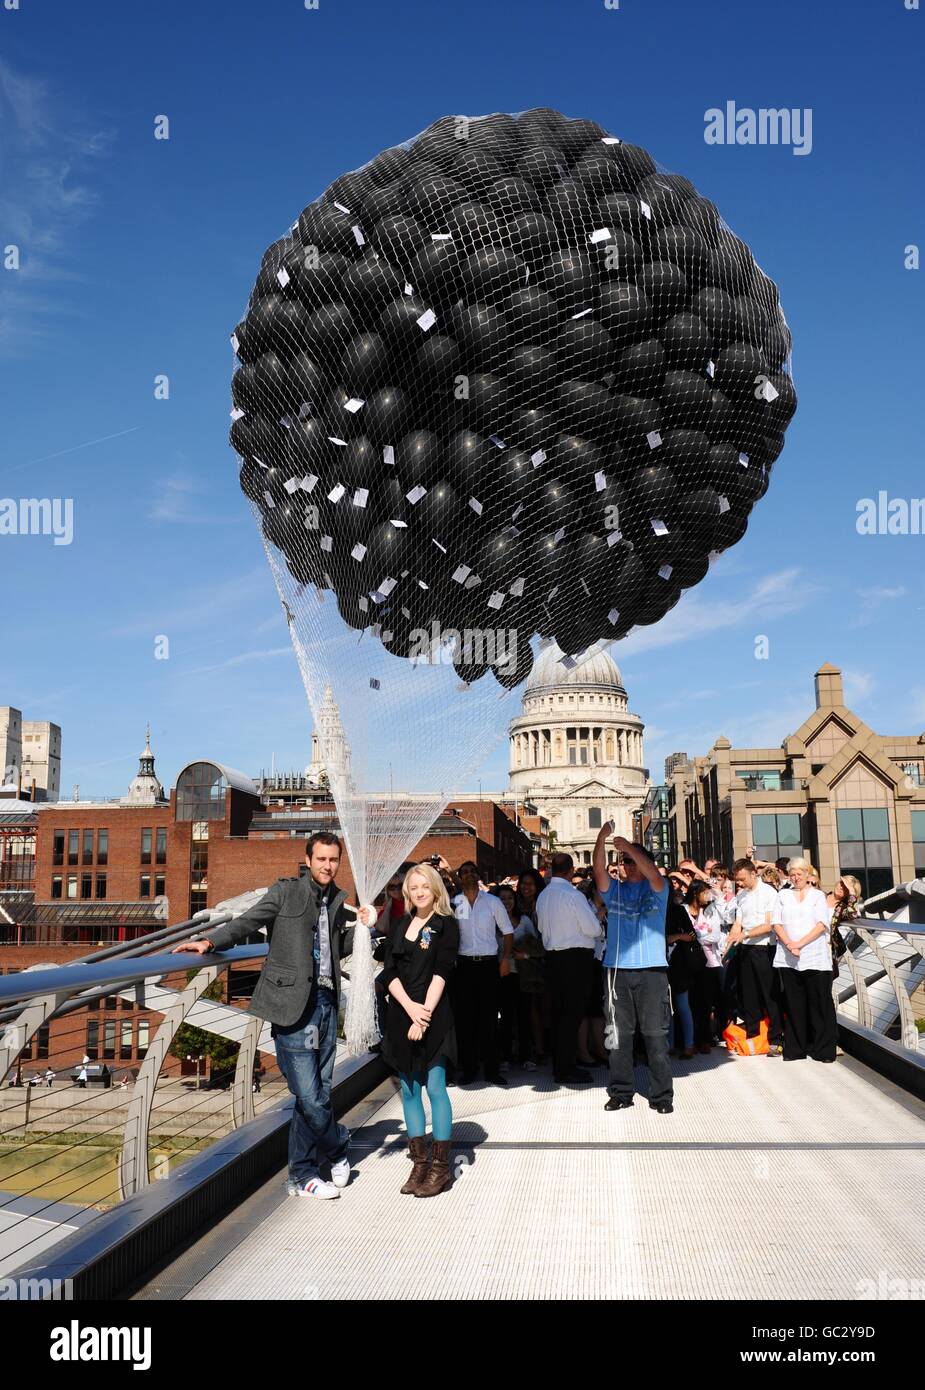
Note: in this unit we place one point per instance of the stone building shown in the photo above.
(850, 799)
(576, 750)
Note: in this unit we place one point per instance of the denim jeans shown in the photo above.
(305, 1053)
(638, 998)
(682, 1007)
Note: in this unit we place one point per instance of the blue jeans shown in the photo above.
(682, 1007)
(305, 1053)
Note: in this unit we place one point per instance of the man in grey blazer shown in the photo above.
(297, 992)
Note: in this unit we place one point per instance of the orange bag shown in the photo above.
(736, 1041)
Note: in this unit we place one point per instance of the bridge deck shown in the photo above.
(771, 1180)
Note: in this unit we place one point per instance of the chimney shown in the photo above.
(829, 688)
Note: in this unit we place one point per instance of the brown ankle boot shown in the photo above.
(438, 1179)
(421, 1166)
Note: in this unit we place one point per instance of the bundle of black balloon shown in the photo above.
(508, 373)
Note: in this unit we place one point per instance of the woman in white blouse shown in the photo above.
(804, 958)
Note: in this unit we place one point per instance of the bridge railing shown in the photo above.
(880, 972)
(116, 1071)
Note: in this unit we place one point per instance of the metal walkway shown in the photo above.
(771, 1180)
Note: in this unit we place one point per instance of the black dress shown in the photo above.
(414, 964)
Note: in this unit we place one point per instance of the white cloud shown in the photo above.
(46, 156)
(701, 615)
(858, 684)
(872, 599)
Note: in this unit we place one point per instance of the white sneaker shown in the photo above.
(314, 1187)
(340, 1173)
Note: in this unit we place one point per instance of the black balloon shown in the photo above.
(519, 371)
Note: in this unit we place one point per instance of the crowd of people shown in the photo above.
(621, 963)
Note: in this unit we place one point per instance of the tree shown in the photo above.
(197, 1042)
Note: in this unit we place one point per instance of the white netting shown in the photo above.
(507, 383)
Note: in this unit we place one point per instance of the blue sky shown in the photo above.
(138, 255)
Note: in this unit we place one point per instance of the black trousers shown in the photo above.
(810, 1028)
(706, 998)
(759, 991)
(570, 978)
(514, 1030)
(475, 1010)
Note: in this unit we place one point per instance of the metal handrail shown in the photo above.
(66, 980)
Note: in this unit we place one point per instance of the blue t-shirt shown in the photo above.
(635, 918)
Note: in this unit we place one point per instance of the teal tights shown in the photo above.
(441, 1112)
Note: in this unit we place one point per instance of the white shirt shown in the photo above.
(565, 917)
(798, 919)
(752, 908)
(524, 928)
(478, 922)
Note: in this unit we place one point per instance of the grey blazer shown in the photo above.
(289, 911)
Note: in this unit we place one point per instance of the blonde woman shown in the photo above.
(843, 906)
(804, 959)
(419, 1038)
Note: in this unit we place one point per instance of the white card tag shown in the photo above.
(769, 392)
(354, 404)
(234, 342)
(237, 413)
(498, 443)
(600, 482)
(582, 313)
(665, 572)
(358, 236)
(336, 439)
(340, 207)
(308, 482)
(292, 485)
(358, 551)
(388, 455)
(336, 493)
(723, 505)
(645, 209)
(560, 534)
(327, 543)
(268, 499)
(613, 537)
(611, 140)
(743, 460)
(653, 439)
(517, 588)
(461, 573)
(495, 599)
(427, 320)
(538, 458)
(612, 616)
(476, 505)
(659, 527)
(711, 369)
(602, 234)
(415, 495)
(360, 497)
(283, 277)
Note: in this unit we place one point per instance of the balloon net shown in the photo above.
(509, 384)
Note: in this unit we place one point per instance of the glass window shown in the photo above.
(864, 848)
(125, 1045)
(57, 856)
(201, 793)
(73, 838)
(143, 1027)
(93, 1038)
(101, 885)
(102, 847)
(42, 1039)
(86, 885)
(764, 830)
(594, 817)
(788, 829)
(161, 852)
(87, 856)
(109, 1041)
(144, 890)
(56, 886)
(876, 824)
(849, 825)
(918, 842)
(160, 885)
(72, 885)
(146, 836)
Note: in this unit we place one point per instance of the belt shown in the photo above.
(478, 959)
